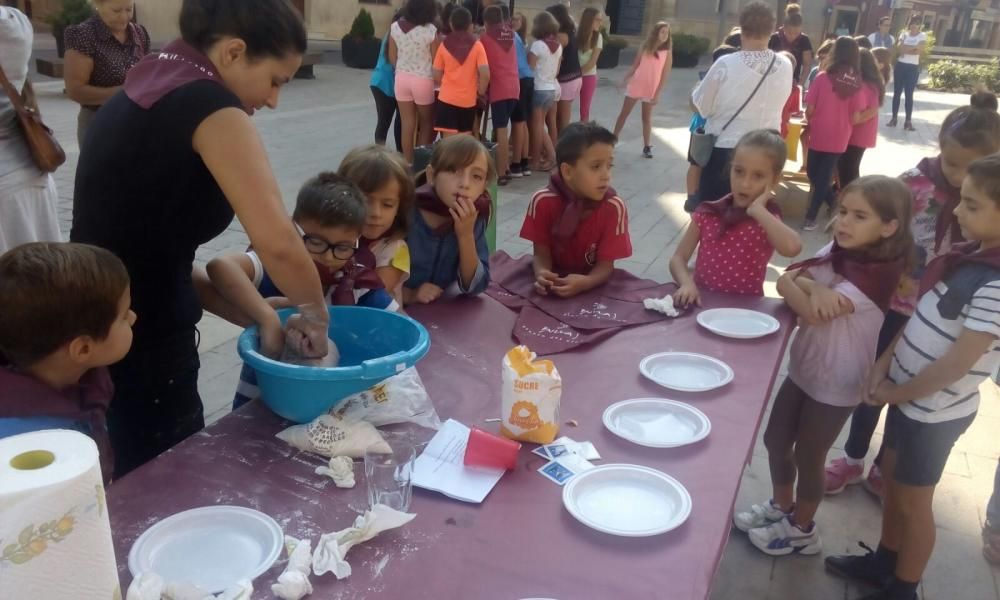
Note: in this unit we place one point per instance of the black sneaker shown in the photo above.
(515, 170)
(647, 151)
(860, 568)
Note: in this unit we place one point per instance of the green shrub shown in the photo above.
(363, 28)
(71, 13)
(691, 45)
(951, 76)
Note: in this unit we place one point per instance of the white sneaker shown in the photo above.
(782, 537)
(759, 515)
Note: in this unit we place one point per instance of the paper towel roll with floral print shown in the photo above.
(55, 537)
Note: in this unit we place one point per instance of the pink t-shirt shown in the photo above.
(736, 263)
(829, 362)
(830, 125)
(865, 134)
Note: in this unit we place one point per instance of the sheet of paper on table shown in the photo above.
(440, 467)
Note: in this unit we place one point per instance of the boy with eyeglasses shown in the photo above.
(330, 212)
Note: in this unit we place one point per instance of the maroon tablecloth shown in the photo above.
(520, 542)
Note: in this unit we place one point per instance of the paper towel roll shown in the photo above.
(55, 538)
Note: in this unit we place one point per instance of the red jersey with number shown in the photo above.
(602, 235)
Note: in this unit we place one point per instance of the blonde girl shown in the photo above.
(544, 57)
(589, 45)
(645, 79)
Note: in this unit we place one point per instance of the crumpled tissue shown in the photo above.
(293, 583)
(333, 547)
(663, 305)
(340, 469)
(150, 586)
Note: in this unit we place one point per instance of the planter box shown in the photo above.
(685, 61)
(608, 58)
(360, 54)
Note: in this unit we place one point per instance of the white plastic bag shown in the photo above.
(531, 392)
(330, 435)
(399, 399)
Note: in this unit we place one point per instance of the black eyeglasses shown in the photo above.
(317, 245)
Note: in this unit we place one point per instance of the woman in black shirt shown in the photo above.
(176, 157)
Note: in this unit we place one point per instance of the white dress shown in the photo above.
(28, 197)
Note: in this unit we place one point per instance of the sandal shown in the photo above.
(892, 122)
(908, 126)
(991, 543)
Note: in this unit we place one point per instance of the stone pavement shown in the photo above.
(319, 121)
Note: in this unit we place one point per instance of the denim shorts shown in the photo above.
(543, 99)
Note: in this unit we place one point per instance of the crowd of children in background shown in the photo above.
(926, 245)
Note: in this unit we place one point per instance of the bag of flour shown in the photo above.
(530, 398)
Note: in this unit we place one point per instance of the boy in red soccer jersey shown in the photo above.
(578, 224)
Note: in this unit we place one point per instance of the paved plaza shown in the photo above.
(319, 120)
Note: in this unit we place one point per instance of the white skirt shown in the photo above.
(28, 212)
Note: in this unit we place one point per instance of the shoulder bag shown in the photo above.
(703, 143)
(45, 150)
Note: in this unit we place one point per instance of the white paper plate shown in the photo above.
(627, 500)
(686, 371)
(656, 422)
(212, 547)
(738, 323)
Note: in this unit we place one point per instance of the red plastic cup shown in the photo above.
(485, 449)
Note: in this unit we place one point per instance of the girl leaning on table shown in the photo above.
(841, 297)
(447, 236)
(737, 235)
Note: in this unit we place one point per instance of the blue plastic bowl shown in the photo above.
(373, 344)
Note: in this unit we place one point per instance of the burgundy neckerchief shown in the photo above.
(959, 255)
(729, 214)
(846, 82)
(502, 34)
(877, 279)
(946, 220)
(574, 209)
(405, 26)
(427, 199)
(160, 73)
(552, 41)
(88, 401)
(459, 44)
(358, 274)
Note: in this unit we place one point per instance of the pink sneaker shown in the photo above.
(874, 483)
(840, 474)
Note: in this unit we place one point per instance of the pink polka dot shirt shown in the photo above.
(736, 261)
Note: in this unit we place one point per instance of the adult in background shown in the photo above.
(728, 84)
(789, 37)
(882, 38)
(28, 197)
(99, 52)
(176, 157)
(910, 46)
(570, 75)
